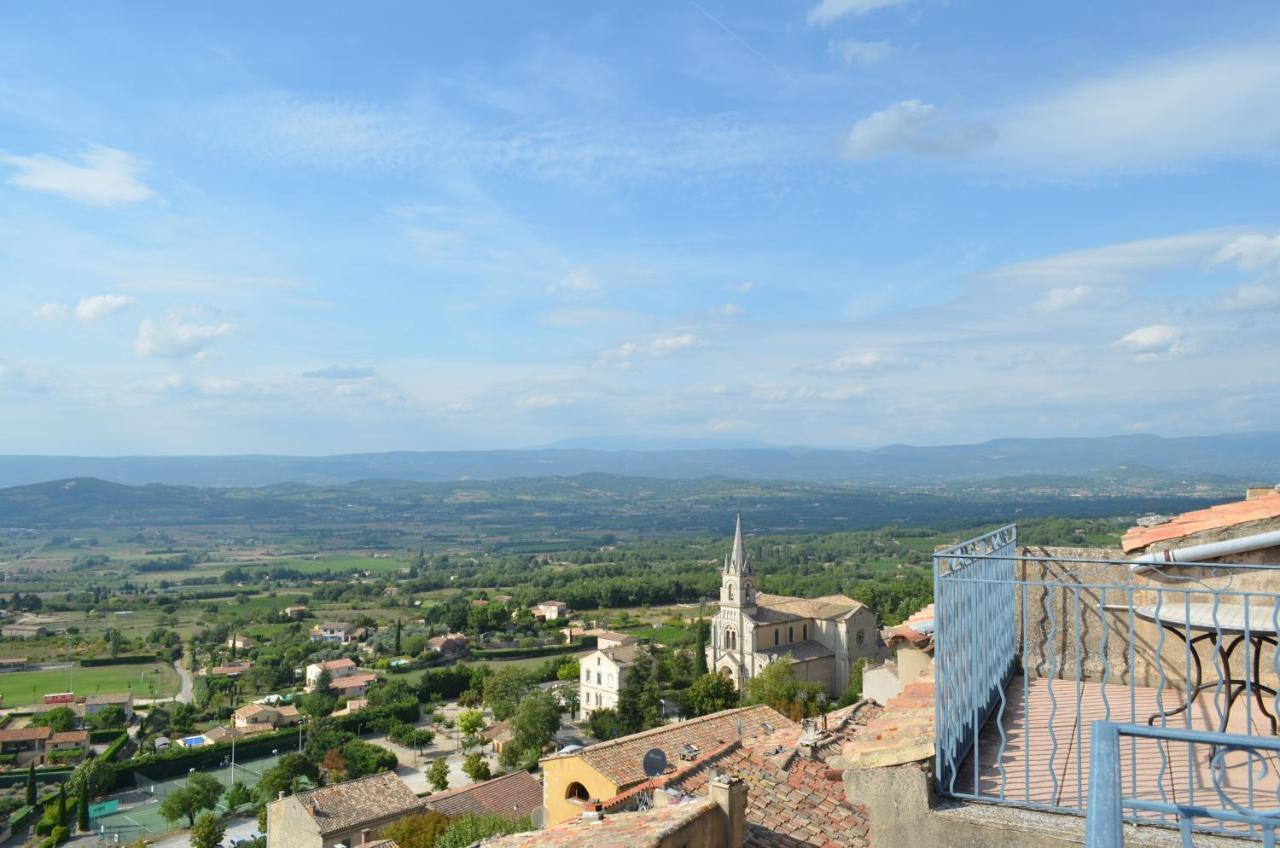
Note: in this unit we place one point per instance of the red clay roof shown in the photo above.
(902, 733)
(1260, 508)
(628, 830)
(25, 734)
(517, 795)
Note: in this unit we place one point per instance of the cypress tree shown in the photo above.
(82, 817)
(700, 655)
(31, 785)
(62, 801)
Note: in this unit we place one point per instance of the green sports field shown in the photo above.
(21, 688)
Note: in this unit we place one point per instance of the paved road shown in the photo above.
(188, 685)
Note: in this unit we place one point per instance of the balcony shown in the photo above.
(1033, 649)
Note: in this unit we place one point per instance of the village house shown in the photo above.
(344, 667)
(262, 715)
(449, 645)
(550, 610)
(515, 795)
(94, 704)
(239, 643)
(604, 673)
(336, 631)
(912, 646)
(822, 638)
(352, 706)
(497, 735)
(67, 740)
(297, 612)
(349, 814)
(13, 664)
(23, 631)
(18, 740)
(353, 686)
(232, 669)
(606, 639)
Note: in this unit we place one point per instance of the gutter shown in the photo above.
(1210, 550)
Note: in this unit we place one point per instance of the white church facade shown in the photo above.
(822, 638)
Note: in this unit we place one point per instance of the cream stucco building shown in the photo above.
(822, 638)
(604, 672)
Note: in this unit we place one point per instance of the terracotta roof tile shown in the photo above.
(902, 733)
(625, 830)
(621, 760)
(25, 734)
(517, 795)
(344, 806)
(1261, 508)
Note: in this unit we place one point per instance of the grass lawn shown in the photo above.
(20, 688)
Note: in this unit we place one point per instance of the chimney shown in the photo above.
(593, 811)
(280, 797)
(730, 795)
(1260, 492)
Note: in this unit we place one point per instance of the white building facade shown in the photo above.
(604, 673)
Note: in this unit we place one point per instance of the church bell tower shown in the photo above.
(737, 582)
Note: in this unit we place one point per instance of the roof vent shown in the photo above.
(689, 752)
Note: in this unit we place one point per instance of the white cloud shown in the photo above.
(740, 288)
(104, 177)
(1176, 110)
(625, 354)
(730, 310)
(50, 312)
(1251, 252)
(831, 10)
(542, 402)
(1117, 263)
(577, 280)
(101, 306)
(911, 126)
(852, 361)
(852, 51)
(1061, 298)
(176, 339)
(1250, 298)
(1154, 342)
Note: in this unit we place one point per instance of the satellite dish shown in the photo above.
(539, 817)
(655, 762)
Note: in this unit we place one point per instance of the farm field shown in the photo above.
(22, 688)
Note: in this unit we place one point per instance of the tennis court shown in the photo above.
(139, 811)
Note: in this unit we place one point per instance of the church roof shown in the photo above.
(737, 561)
(799, 651)
(775, 608)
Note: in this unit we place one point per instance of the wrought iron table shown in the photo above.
(1229, 625)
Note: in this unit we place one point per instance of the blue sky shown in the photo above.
(321, 227)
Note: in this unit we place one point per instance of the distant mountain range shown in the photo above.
(1252, 457)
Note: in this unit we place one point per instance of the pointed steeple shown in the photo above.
(739, 556)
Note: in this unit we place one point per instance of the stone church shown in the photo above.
(822, 638)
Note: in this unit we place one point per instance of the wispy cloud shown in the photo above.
(627, 353)
(577, 280)
(833, 10)
(1164, 113)
(1251, 252)
(740, 288)
(852, 51)
(102, 176)
(177, 339)
(50, 311)
(912, 126)
(1061, 298)
(1257, 297)
(339, 372)
(101, 306)
(863, 360)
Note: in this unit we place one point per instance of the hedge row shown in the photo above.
(110, 752)
(108, 734)
(524, 653)
(132, 659)
(169, 764)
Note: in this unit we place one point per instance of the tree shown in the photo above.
(470, 722)
(417, 831)
(470, 828)
(776, 686)
(82, 813)
(112, 715)
(58, 719)
(710, 693)
(333, 764)
(31, 784)
(282, 776)
(438, 774)
(700, 648)
(238, 795)
(604, 724)
(94, 777)
(398, 626)
(200, 792)
(476, 767)
(532, 727)
(207, 832)
(640, 700)
(503, 690)
(62, 801)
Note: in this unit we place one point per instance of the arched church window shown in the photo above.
(731, 591)
(804, 631)
(791, 634)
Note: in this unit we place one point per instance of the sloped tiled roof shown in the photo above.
(802, 803)
(353, 681)
(621, 760)
(625, 830)
(902, 733)
(1261, 508)
(344, 806)
(623, 654)
(25, 734)
(70, 737)
(517, 795)
(827, 607)
(334, 665)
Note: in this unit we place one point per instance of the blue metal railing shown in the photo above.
(1031, 648)
(1248, 808)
